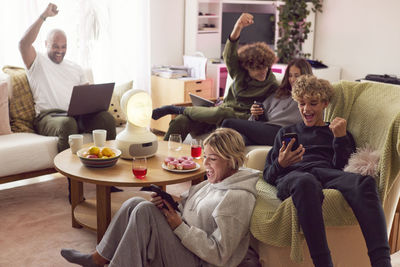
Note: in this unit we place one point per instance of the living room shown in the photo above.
(359, 37)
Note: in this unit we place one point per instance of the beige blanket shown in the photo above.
(373, 114)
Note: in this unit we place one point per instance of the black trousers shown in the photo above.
(305, 188)
(253, 132)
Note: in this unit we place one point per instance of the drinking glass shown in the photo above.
(175, 142)
(195, 148)
(139, 167)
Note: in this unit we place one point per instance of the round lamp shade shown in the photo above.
(136, 140)
(137, 106)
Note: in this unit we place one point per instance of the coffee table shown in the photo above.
(96, 213)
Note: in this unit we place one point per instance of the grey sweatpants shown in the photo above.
(139, 235)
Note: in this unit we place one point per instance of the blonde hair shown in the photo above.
(309, 86)
(229, 145)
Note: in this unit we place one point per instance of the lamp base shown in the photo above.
(138, 144)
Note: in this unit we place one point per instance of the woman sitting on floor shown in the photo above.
(212, 228)
(278, 110)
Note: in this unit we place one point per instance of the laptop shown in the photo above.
(200, 101)
(90, 98)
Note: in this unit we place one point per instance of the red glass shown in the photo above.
(196, 151)
(139, 173)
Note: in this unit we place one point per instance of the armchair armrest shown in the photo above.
(256, 158)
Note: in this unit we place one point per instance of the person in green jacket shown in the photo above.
(250, 68)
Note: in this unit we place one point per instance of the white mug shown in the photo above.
(75, 142)
(99, 137)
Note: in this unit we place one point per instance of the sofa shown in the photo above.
(373, 114)
(23, 153)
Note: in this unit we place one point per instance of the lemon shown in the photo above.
(94, 150)
(107, 152)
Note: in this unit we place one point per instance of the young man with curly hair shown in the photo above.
(317, 163)
(250, 67)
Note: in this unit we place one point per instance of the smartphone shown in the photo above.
(262, 116)
(288, 136)
(162, 194)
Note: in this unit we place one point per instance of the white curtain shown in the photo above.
(111, 37)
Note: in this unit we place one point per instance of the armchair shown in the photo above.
(373, 114)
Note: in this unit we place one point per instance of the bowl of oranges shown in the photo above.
(99, 157)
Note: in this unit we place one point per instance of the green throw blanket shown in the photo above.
(372, 111)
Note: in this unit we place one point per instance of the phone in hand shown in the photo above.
(262, 116)
(288, 136)
(162, 194)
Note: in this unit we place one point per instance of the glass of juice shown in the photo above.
(139, 167)
(195, 148)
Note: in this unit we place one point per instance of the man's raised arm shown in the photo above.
(26, 48)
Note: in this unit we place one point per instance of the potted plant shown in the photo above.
(293, 27)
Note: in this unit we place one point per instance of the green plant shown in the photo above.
(293, 27)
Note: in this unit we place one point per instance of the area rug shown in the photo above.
(36, 223)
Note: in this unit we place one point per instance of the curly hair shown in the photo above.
(228, 144)
(309, 86)
(256, 56)
(285, 88)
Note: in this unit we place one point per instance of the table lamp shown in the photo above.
(136, 140)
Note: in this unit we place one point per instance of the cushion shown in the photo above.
(115, 106)
(26, 152)
(4, 115)
(22, 107)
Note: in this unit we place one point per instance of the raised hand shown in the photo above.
(288, 157)
(50, 11)
(338, 127)
(243, 21)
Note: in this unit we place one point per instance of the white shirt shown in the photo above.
(52, 83)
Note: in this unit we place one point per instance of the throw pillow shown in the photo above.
(4, 115)
(22, 107)
(364, 161)
(115, 106)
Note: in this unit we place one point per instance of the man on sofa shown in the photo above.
(316, 164)
(51, 79)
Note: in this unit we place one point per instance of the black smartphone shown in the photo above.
(162, 194)
(262, 116)
(288, 136)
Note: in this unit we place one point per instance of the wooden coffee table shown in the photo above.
(96, 213)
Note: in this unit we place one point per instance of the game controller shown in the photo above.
(163, 195)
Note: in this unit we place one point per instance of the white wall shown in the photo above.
(360, 36)
(167, 29)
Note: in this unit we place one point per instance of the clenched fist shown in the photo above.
(338, 127)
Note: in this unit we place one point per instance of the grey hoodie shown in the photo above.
(216, 218)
